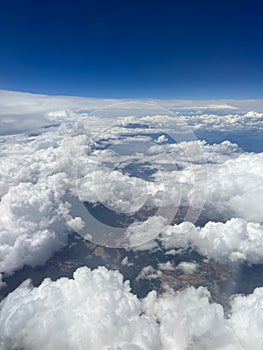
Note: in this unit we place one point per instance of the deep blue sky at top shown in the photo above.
(109, 48)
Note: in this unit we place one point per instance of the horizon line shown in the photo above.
(130, 98)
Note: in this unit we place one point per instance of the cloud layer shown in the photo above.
(56, 151)
(40, 173)
(96, 310)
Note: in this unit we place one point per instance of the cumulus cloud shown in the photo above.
(187, 267)
(195, 152)
(162, 139)
(246, 319)
(167, 266)
(187, 319)
(146, 231)
(236, 187)
(225, 181)
(96, 310)
(205, 119)
(31, 226)
(121, 193)
(234, 241)
(125, 262)
(148, 273)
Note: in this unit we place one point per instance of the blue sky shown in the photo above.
(138, 49)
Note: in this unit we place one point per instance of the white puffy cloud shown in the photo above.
(148, 273)
(196, 151)
(205, 119)
(187, 267)
(236, 187)
(167, 266)
(120, 193)
(125, 262)
(31, 226)
(249, 120)
(139, 233)
(224, 181)
(187, 319)
(162, 139)
(235, 241)
(246, 319)
(96, 310)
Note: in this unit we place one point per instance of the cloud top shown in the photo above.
(96, 310)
